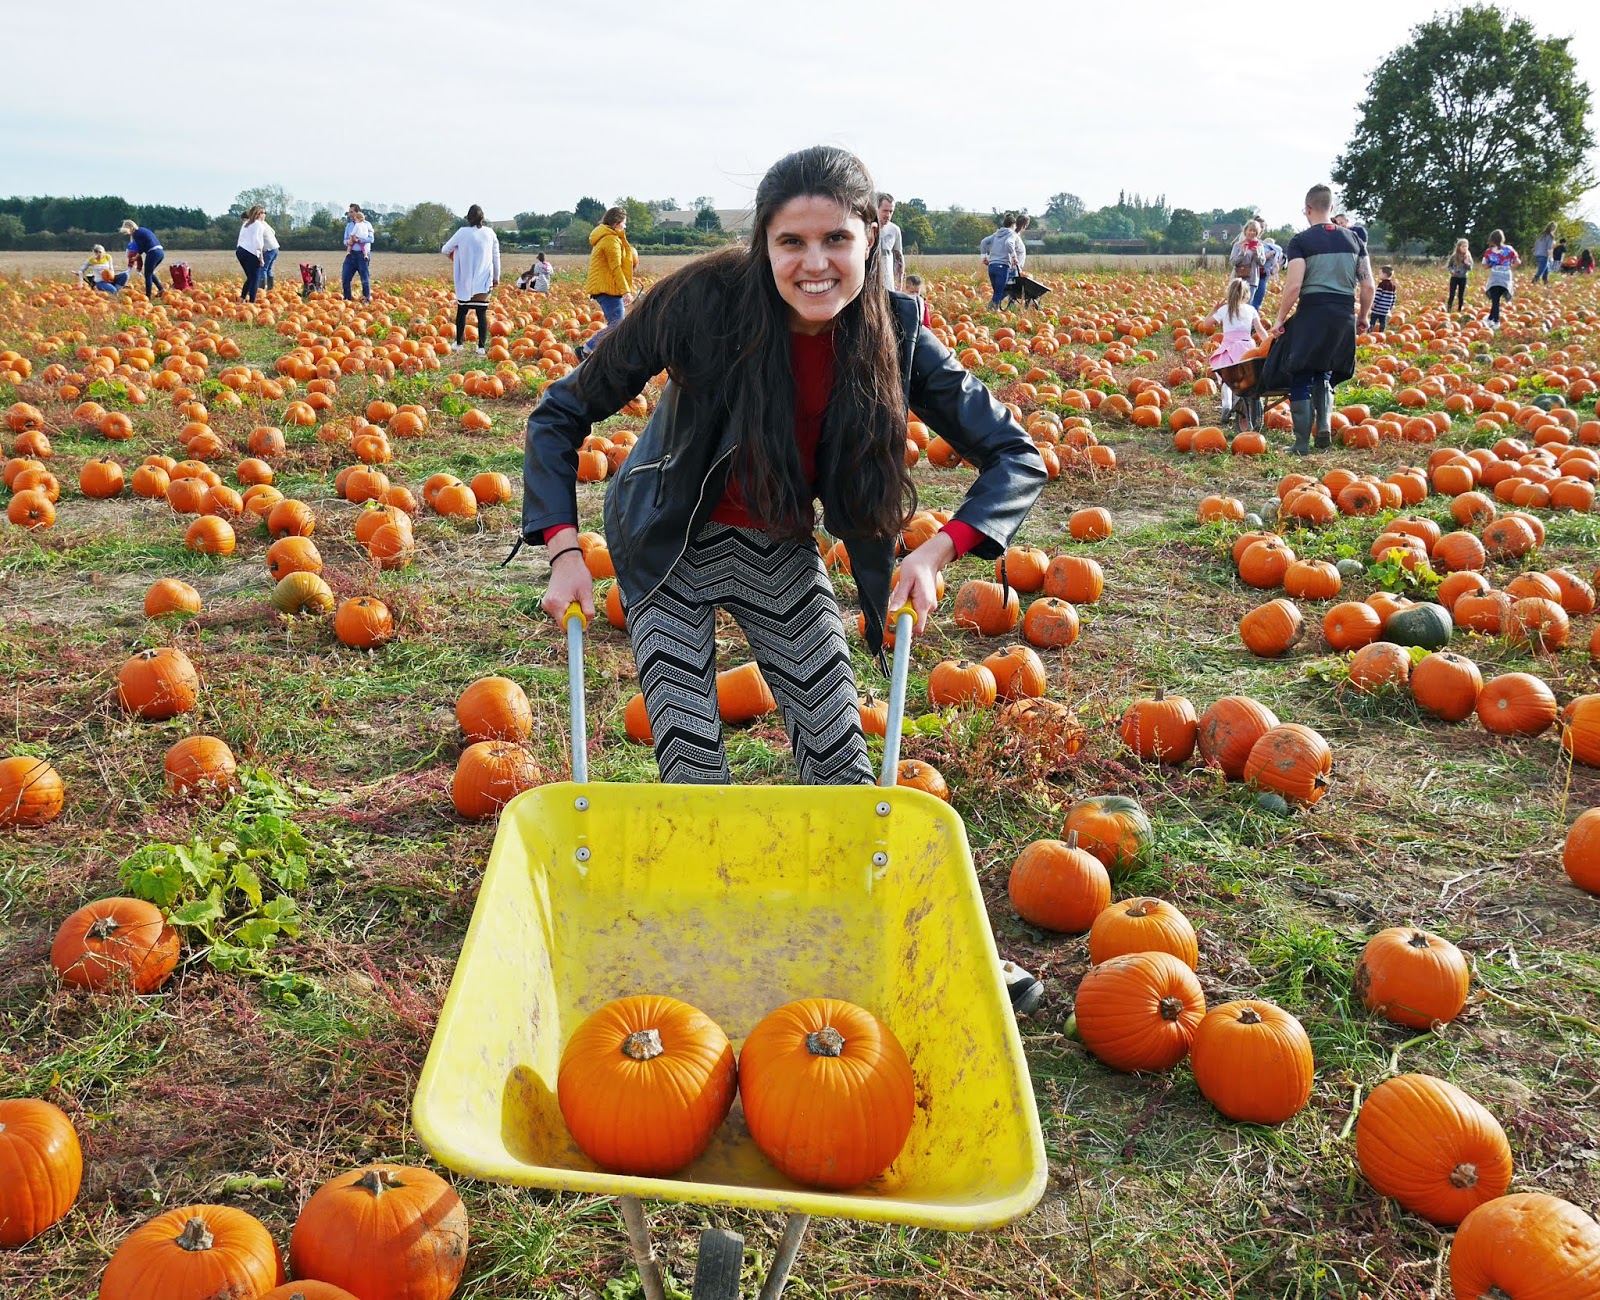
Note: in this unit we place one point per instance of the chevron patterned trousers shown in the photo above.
(779, 594)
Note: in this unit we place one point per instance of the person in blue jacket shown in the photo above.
(142, 240)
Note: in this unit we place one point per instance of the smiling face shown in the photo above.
(818, 253)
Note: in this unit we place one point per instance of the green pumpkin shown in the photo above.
(1426, 625)
(1113, 828)
(1547, 401)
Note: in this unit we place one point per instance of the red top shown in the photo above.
(811, 355)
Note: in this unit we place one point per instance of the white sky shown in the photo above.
(522, 106)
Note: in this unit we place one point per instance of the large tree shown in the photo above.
(1476, 123)
(424, 228)
(278, 202)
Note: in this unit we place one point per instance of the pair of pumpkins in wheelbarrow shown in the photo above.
(828, 1097)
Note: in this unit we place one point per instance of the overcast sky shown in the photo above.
(523, 107)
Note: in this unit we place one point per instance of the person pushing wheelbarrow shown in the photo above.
(1326, 300)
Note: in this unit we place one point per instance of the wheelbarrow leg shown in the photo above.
(794, 1232)
(643, 1254)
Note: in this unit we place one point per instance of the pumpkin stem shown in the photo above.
(1249, 1016)
(195, 1236)
(378, 1181)
(1138, 907)
(826, 1041)
(1418, 939)
(1171, 1008)
(1161, 693)
(1464, 1175)
(643, 1045)
(104, 928)
(1072, 839)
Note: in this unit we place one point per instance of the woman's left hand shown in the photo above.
(918, 584)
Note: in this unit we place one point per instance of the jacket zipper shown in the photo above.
(711, 469)
(660, 466)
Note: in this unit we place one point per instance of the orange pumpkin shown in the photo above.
(827, 1091)
(158, 683)
(986, 608)
(1229, 729)
(386, 1232)
(1055, 885)
(1412, 977)
(31, 791)
(494, 708)
(195, 1252)
(743, 694)
(198, 766)
(489, 774)
(114, 943)
(42, 1166)
(1139, 1011)
(1253, 1062)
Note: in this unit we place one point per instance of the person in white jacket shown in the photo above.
(250, 249)
(474, 252)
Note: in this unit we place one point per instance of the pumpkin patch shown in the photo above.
(1236, 740)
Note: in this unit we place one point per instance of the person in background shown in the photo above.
(269, 253)
(1383, 299)
(1360, 232)
(1544, 254)
(1460, 267)
(999, 253)
(1273, 264)
(249, 249)
(1500, 259)
(1248, 258)
(1558, 254)
(1241, 330)
(1329, 281)
(1585, 262)
(474, 253)
(150, 252)
(611, 267)
(100, 272)
(914, 288)
(358, 239)
(891, 244)
(542, 271)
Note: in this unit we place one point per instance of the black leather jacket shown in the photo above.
(676, 473)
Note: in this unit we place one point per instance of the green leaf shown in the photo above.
(247, 882)
(260, 932)
(200, 913)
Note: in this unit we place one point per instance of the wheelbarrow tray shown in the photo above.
(737, 900)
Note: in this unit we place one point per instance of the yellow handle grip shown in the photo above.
(575, 611)
(904, 609)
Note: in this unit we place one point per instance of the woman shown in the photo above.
(611, 265)
(1001, 253)
(150, 253)
(1460, 267)
(1248, 257)
(269, 254)
(1543, 247)
(249, 249)
(790, 374)
(474, 253)
(1501, 259)
(100, 272)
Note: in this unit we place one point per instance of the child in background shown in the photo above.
(914, 288)
(1460, 267)
(1242, 329)
(1383, 301)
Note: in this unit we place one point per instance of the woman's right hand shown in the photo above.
(569, 582)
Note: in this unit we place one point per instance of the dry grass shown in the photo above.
(212, 1091)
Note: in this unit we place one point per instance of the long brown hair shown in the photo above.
(722, 329)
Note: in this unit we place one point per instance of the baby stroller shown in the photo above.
(1024, 289)
(311, 279)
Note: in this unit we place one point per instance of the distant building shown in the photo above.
(735, 221)
(1222, 232)
(510, 223)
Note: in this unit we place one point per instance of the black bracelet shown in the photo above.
(566, 550)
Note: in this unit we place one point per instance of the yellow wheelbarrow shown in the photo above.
(736, 900)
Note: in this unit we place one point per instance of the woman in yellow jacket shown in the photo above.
(611, 266)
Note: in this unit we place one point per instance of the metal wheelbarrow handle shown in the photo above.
(904, 619)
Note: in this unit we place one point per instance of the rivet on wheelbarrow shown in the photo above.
(583, 853)
(882, 809)
(581, 804)
(880, 859)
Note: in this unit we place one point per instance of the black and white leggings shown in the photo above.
(779, 594)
